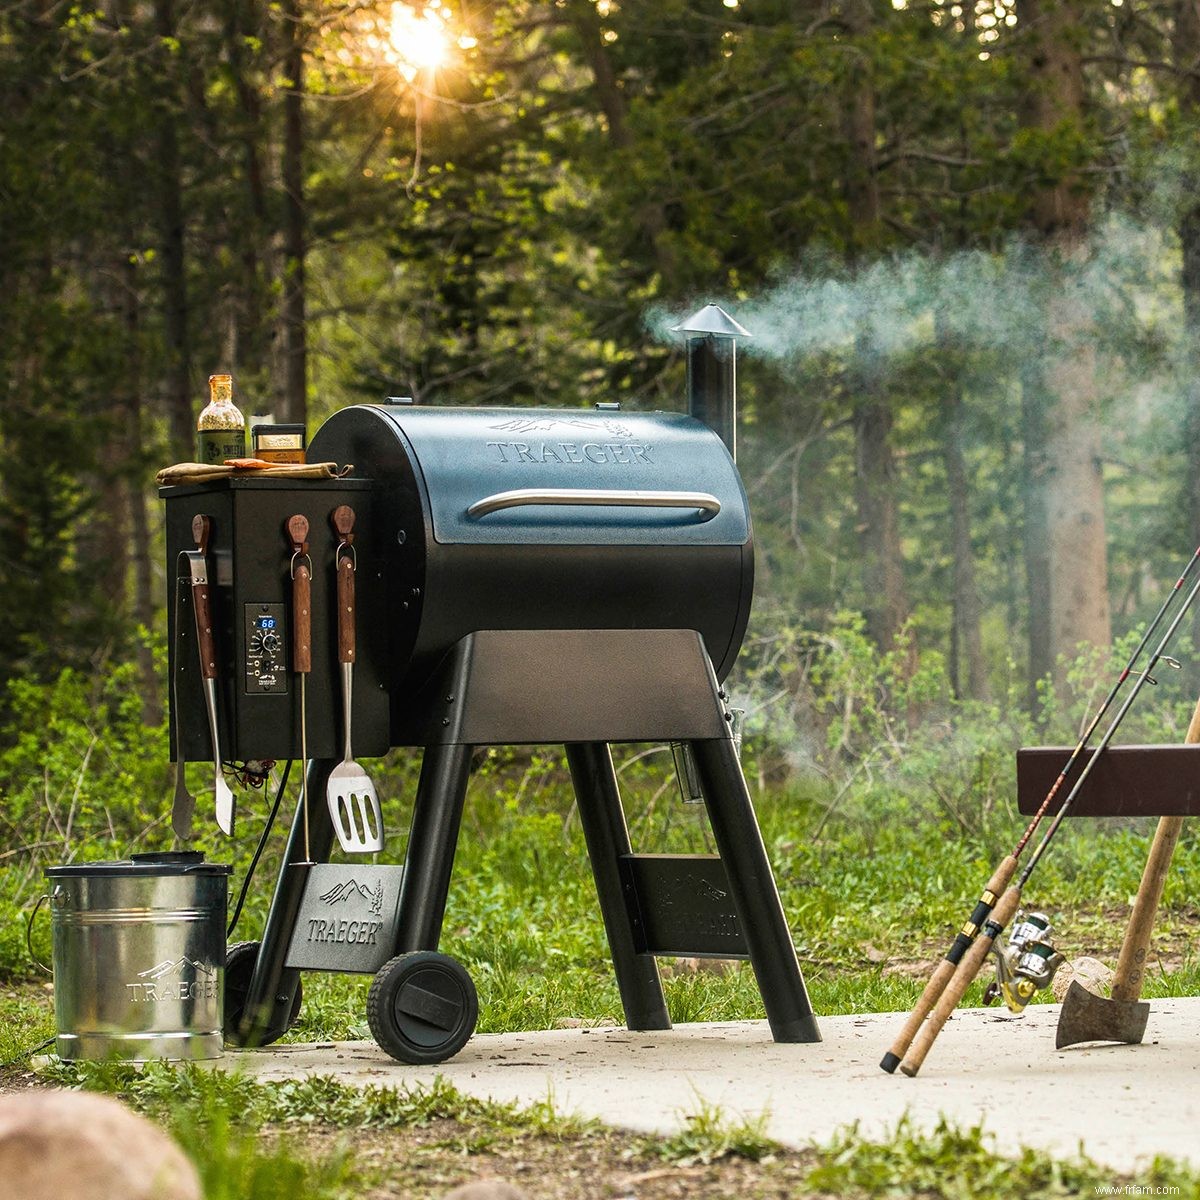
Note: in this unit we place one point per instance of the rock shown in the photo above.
(1091, 973)
(87, 1147)
(486, 1189)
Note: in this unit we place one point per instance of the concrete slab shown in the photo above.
(1120, 1104)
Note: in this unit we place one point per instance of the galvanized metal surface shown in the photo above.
(139, 962)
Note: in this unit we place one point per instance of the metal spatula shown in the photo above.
(353, 804)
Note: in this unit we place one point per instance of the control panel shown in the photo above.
(266, 649)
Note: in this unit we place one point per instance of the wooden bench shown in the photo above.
(1128, 781)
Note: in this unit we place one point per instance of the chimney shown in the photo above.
(710, 338)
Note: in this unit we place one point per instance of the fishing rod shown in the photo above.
(1007, 905)
(995, 887)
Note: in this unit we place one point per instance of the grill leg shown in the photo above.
(437, 815)
(752, 886)
(272, 986)
(607, 836)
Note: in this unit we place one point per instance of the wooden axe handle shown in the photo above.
(1131, 966)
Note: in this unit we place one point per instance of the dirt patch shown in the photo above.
(427, 1162)
(430, 1161)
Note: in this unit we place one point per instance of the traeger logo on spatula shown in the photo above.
(165, 981)
(363, 932)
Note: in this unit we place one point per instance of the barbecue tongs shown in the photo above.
(202, 608)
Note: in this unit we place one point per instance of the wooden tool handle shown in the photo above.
(345, 603)
(297, 531)
(201, 531)
(301, 621)
(342, 519)
(1005, 908)
(945, 969)
(1131, 966)
(202, 606)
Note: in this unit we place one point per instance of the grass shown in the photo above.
(962, 1164)
(876, 886)
(243, 1135)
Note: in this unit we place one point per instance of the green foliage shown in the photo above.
(710, 1134)
(952, 1163)
(174, 1090)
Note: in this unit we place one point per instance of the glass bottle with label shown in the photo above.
(221, 430)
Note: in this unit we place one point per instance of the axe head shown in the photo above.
(1086, 1017)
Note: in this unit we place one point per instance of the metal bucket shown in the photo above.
(139, 957)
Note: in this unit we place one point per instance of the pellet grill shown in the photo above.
(524, 576)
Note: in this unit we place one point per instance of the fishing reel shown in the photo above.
(1025, 964)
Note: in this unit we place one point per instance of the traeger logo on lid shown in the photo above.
(340, 932)
(167, 981)
(611, 442)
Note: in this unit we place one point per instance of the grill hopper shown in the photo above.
(498, 519)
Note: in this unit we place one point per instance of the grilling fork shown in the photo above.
(301, 572)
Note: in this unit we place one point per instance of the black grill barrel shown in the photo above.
(711, 342)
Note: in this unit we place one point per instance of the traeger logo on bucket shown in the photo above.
(347, 919)
(166, 981)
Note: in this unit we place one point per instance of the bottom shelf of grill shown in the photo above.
(682, 906)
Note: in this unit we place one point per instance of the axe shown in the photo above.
(1086, 1017)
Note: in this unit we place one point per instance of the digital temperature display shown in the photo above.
(266, 654)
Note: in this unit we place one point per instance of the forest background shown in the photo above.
(965, 237)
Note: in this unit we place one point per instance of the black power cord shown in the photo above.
(27, 1053)
(262, 841)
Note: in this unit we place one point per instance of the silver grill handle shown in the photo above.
(708, 505)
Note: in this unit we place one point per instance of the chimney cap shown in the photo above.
(713, 319)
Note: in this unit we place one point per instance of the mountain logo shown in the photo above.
(176, 967)
(616, 429)
(350, 888)
(343, 891)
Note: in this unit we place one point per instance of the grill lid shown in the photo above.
(570, 476)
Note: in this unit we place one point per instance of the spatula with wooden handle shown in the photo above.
(350, 794)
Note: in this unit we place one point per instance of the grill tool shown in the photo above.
(301, 571)
(183, 804)
(202, 607)
(1086, 1017)
(350, 794)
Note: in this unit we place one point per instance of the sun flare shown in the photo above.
(417, 42)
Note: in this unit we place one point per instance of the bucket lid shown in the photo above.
(169, 862)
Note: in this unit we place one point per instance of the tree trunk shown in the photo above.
(1185, 51)
(179, 398)
(251, 303)
(588, 28)
(886, 596)
(295, 397)
(1070, 475)
(1035, 529)
(966, 608)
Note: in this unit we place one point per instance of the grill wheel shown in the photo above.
(422, 1007)
(239, 965)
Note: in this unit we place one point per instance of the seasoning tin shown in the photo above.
(279, 443)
